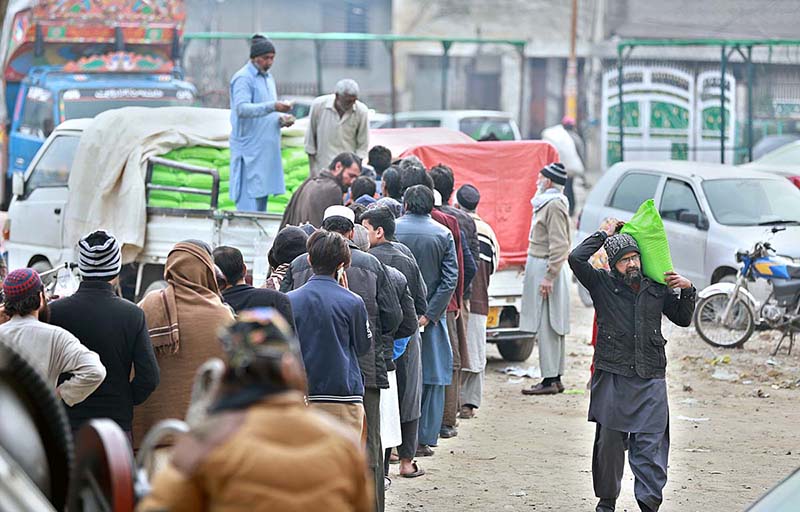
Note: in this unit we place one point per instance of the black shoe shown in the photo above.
(447, 432)
(606, 505)
(644, 507)
(424, 451)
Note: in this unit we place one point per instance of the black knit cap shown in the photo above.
(289, 244)
(555, 172)
(468, 196)
(260, 45)
(618, 246)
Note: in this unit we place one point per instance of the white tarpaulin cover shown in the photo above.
(107, 180)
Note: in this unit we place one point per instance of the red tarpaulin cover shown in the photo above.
(505, 174)
(399, 140)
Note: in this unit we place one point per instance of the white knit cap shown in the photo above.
(338, 210)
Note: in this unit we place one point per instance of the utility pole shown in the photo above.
(571, 80)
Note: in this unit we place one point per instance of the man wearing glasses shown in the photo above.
(629, 394)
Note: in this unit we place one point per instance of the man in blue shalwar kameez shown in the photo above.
(435, 251)
(256, 120)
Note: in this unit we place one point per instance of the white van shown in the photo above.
(35, 225)
(475, 123)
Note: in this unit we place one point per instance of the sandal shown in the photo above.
(417, 472)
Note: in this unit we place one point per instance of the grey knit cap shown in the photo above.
(618, 246)
(99, 255)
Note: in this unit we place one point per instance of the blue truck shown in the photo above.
(71, 60)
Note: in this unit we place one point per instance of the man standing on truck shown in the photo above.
(256, 121)
(338, 123)
(545, 292)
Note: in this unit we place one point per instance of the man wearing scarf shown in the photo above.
(545, 294)
(182, 321)
(256, 120)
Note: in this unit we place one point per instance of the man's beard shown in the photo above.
(632, 277)
(340, 181)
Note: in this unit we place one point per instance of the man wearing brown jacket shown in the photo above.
(545, 294)
(310, 200)
(261, 448)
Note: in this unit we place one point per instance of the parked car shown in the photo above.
(709, 210)
(475, 123)
(784, 497)
(784, 161)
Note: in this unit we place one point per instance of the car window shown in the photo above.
(678, 198)
(634, 189)
(750, 202)
(419, 123)
(482, 127)
(37, 114)
(52, 170)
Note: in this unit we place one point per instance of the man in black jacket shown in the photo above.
(629, 393)
(366, 277)
(239, 295)
(113, 328)
(381, 226)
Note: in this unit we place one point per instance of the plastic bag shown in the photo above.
(647, 229)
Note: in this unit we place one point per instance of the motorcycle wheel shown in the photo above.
(708, 322)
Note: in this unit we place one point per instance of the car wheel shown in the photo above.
(516, 351)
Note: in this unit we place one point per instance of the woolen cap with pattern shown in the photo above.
(21, 284)
(99, 255)
(555, 172)
(619, 245)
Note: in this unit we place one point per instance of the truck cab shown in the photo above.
(48, 96)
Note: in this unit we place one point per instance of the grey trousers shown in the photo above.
(552, 346)
(372, 410)
(472, 388)
(648, 456)
(452, 392)
(410, 433)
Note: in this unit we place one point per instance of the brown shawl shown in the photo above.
(183, 321)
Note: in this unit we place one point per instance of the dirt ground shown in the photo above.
(733, 423)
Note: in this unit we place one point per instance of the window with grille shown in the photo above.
(350, 17)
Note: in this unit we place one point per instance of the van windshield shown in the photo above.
(87, 103)
(752, 202)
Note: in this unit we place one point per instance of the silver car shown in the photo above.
(709, 210)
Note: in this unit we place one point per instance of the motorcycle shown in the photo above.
(727, 313)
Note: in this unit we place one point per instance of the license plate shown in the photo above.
(493, 318)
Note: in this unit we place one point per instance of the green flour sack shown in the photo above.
(647, 229)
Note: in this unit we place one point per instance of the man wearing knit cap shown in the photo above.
(112, 327)
(486, 259)
(48, 348)
(256, 121)
(545, 293)
(629, 394)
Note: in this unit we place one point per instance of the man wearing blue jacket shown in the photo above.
(333, 330)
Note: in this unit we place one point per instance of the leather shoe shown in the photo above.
(424, 451)
(447, 432)
(606, 505)
(466, 412)
(541, 389)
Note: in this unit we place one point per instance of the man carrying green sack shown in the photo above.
(647, 229)
(629, 392)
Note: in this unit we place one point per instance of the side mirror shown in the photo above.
(698, 219)
(17, 184)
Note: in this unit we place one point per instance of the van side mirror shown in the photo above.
(698, 219)
(17, 184)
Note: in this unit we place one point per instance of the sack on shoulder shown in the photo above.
(647, 229)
